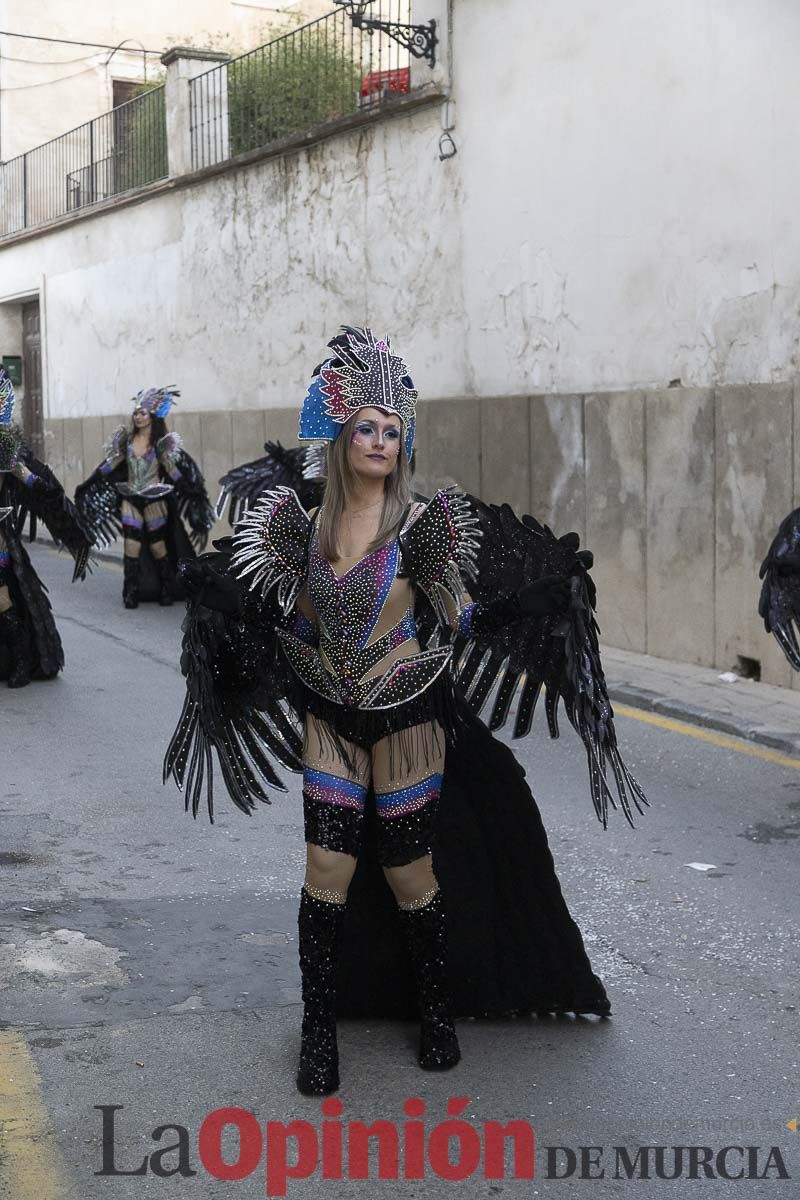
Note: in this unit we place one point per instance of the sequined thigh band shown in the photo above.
(330, 789)
(408, 799)
(333, 811)
(406, 821)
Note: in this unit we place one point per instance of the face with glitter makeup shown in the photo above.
(375, 442)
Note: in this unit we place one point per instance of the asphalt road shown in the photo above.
(149, 961)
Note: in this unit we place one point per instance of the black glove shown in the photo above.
(545, 596)
(205, 586)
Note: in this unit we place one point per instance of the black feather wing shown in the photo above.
(779, 603)
(297, 468)
(235, 710)
(98, 503)
(194, 506)
(46, 501)
(559, 656)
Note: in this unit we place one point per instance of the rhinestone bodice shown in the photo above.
(346, 665)
(349, 609)
(142, 470)
(362, 648)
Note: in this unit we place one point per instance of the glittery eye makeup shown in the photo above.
(368, 429)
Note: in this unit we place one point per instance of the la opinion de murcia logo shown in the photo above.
(233, 1145)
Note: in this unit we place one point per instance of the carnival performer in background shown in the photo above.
(344, 644)
(30, 646)
(145, 487)
(779, 603)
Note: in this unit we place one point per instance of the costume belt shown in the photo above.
(153, 491)
(404, 680)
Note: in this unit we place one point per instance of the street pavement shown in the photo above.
(150, 961)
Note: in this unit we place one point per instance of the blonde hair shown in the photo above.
(341, 483)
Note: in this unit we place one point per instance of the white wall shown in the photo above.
(631, 186)
(621, 213)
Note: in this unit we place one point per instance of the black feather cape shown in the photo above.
(28, 593)
(513, 946)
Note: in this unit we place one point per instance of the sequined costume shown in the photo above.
(30, 646)
(368, 683)
(146, 497)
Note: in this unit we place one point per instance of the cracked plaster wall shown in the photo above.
(620, 215)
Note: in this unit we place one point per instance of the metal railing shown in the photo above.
(117, 152)
(297, 83)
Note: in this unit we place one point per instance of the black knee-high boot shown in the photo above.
(18, 640)
(427, 942)
(130, 582)
(320, 927)
(165, 581)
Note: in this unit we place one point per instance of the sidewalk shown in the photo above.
(758, 712)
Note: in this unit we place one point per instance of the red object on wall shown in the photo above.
(397, 80)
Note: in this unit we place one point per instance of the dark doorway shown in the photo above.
(123, 90)
(33, 421)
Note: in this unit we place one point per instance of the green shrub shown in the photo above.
(294, 84)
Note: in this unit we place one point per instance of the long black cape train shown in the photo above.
(46, 502)
(513, 946)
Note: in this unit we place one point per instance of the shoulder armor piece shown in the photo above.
(168, 447)
(271, 544)
(440, 545)
(116, 445)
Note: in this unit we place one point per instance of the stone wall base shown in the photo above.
(678, 493)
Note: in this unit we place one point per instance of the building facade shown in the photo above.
(48, 87)
(579, 227)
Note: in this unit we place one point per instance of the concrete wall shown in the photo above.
(667, 488)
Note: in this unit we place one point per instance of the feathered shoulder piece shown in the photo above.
(271, 545)
(116, 445)
(440, 547)
(169, 447)
(10, 446)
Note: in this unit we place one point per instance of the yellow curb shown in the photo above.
(31, 1167)
(723, 741)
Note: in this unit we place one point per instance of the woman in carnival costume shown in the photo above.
(29, 643)
(344, 644)
(143, 488)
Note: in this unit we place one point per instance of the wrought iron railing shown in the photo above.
(298, 83)
(114, 153)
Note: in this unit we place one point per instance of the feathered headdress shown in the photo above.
(10, 434)
(156, 401)
(363, 373)
(6, 398)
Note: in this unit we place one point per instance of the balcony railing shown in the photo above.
(297, 84)
(117, 152)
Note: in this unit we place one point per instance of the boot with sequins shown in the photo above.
(130, 582)
(427, 942)
(320, 926)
